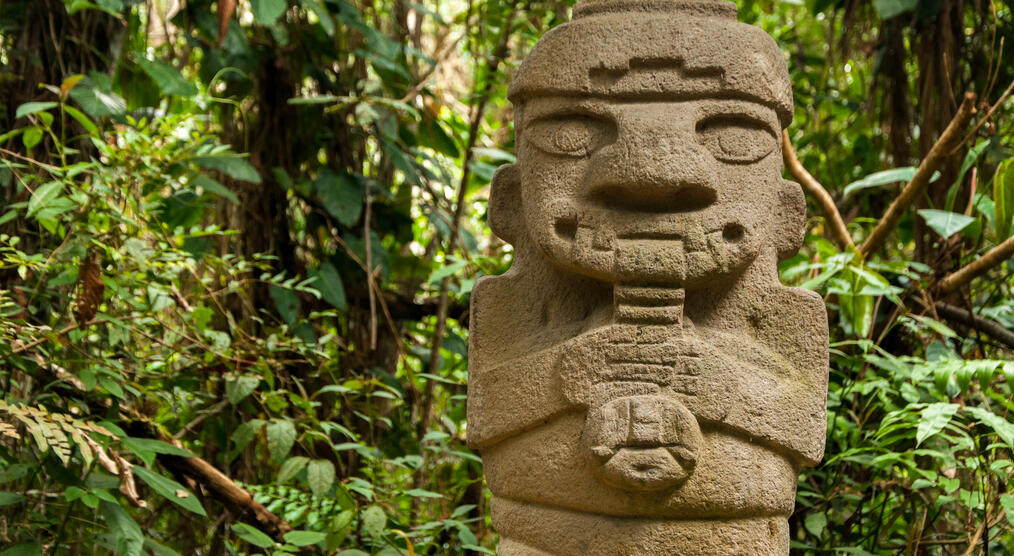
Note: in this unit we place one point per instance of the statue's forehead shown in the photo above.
(648, 57)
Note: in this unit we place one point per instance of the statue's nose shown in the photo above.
(653, 167)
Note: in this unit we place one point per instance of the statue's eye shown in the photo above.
(736, 139)
(576, 136)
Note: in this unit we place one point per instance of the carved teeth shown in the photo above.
(605, 239)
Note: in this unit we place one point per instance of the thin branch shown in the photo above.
(978, 267)
(945, 145)
(810, 184)
(989, 114)
(971, 320)
(39, 341)
(218, 484)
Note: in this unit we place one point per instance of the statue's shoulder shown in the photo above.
(793, 321)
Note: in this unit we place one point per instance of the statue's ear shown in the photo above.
(791, 222)
(505, 203)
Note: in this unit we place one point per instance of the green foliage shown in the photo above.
(232, 236)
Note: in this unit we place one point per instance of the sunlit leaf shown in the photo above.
(281, 437)
(374, 520)
(320, 474)
(128, 535)
(304, 538)
(170, 490)
(230, 165)
(1003, 198)
(33, 108)
(252, 535)
(945, 223)
(266, 12)
(933, 418)
(291, 468)
(880, 178)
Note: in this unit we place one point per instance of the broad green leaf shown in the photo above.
(887, 9)
(291, 468)
(286, 302)
(168, 78)
(241, 387)
(970, 159)
(880, 178)
(158, 549)
(373, 520)
(210, 185)
(1003, 428)
(111, 7)
(933, 418)
(8, 498)
(1003, 198)
(317, 99)
(245, 433)
(24, 549)
(126, 531)
(435, 137)
(252, 535)
(341, 195)
(945, 223)
(467, 536)
(81, 118)
(330, 286)
(443, 272)
(43, 196)
(33, 108)
(95, 96)
(420, 493)
(31, 136)
(936, 326)
(266, 12)
(1007, 501)
(146, 448)
(304, 538)
(320, 474)
(318, 9)
(230, 165)
(281, 436)
(170, 490)
(11, 134)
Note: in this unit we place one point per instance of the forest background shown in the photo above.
(237, 241)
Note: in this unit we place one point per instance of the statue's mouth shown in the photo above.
(693, 243)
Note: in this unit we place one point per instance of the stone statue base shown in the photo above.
(556, 532)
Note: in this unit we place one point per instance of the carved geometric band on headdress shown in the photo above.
(652, 50)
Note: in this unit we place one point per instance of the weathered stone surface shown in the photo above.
(640, 381)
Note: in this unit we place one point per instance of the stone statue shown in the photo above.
(640, 380)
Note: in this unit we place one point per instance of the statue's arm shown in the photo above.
(776, 391)
(511, 398)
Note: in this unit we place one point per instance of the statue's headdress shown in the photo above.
(657, 50)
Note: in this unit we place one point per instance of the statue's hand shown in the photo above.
(588, 368)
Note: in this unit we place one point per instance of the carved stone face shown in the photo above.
(670, 192)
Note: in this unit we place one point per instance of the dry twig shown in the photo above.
(944, 147)
(971, 320)
(810, 184)
(978, 267)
